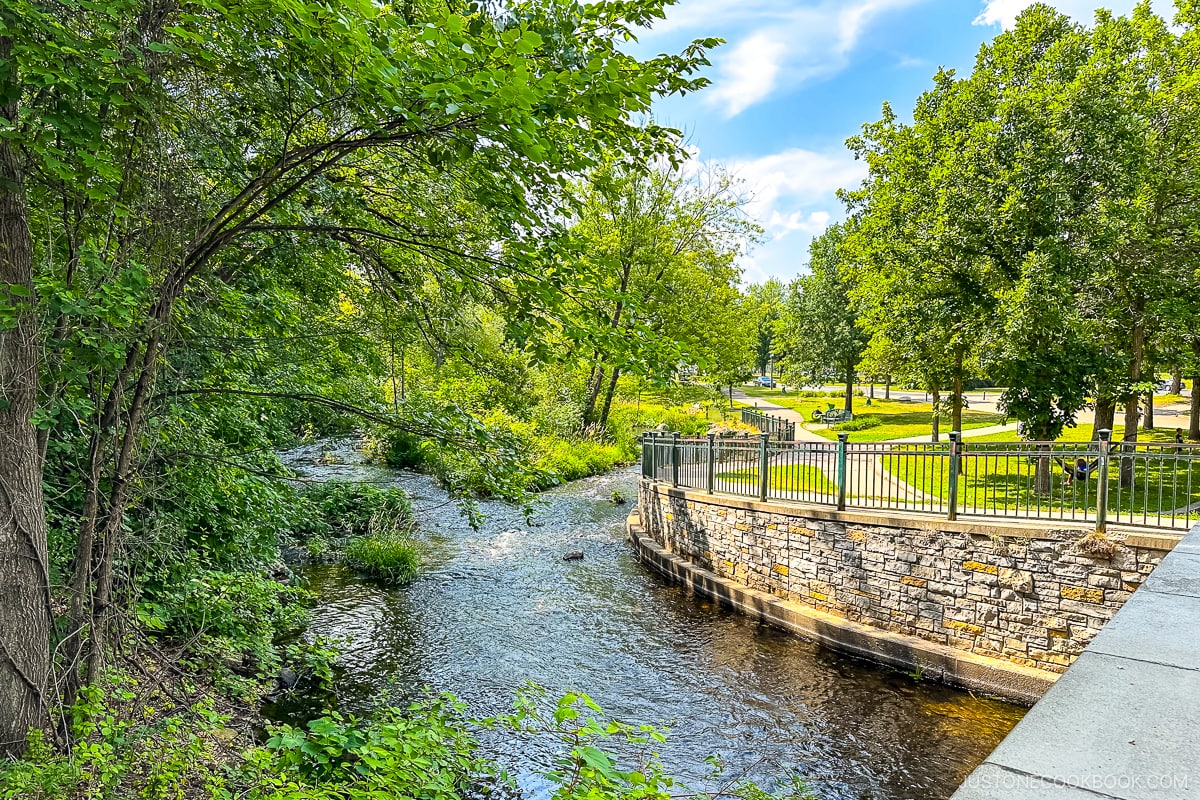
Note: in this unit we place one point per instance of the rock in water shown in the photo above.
(574, 555)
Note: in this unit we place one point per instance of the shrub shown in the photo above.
(426, 752)
(231, 621)
(399, 449)
(390, 556)
(352, 509)
(859, 424)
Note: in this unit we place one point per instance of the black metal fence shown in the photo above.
(1102, 482)
(777, 427)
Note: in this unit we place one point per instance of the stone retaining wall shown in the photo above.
(1021, 592)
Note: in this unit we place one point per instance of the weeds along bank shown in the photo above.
(559, 446)
(210, 623)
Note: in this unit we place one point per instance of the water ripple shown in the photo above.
(498, 607)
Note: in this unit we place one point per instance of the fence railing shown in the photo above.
(778, 427)
(1101, 482)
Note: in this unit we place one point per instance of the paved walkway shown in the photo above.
(866, 473)
(1124, 721)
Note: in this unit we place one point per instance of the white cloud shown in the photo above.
(782, 183)
(794, 198)
(748, 74)
(775, 43)
(1005, 12)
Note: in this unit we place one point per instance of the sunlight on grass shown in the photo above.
(784, 478)
(1004, 482)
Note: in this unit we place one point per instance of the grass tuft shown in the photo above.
(390, 556)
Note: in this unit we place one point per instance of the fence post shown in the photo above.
(1102, 484)
(841, 470)
(955, 446)
(763, 465)
(675, 459)
(645, 454)
(712, 441)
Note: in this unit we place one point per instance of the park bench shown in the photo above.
(837, 415)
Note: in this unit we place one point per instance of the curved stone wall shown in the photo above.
(1021, 597)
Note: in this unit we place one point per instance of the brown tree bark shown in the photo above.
(1149, 416)
(1176, 381)
(1194, 416)
(24, 575)
(887, 388)
(936, 418)
(1106, 414)
(1194, 411)
(1132, 415)
(593, 396)
(608, 396)
(848, 403)
(956, 394)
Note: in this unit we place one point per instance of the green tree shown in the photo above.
(662, 247)
(763, 307)
(153, 155)
(821, 327)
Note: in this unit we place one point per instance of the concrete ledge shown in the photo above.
(1124, 721)
(1017, 528)
(967, 670)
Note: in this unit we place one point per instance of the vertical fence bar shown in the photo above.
(952, 494)
(841, 470)
(763, 464)
(710, 479)
(675, 459)
(1102, 483)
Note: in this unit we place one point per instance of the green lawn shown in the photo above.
(1084, 433)
(898, 419)
(784, 478)
(1005, 482)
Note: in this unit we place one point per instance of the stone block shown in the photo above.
(978, 566)
(1016, 580)
(1081, 594)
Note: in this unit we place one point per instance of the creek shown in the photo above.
(498, 607)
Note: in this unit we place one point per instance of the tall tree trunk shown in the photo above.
(872, 394)
(1129, 439)
(1106, 414)
(1194, 411)
(1041, 475)
(849, 399)
(936, 418)
(1149, 423)
(1176, 381)
(887, 388)
(608, 396)
(956, 394)
(1194, 416)
(593, 395)
(24, 574)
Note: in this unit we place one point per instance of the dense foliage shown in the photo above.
(229, 227)
(1032, 225)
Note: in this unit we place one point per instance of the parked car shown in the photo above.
(765, 381)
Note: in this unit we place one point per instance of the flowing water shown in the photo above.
(498, 607)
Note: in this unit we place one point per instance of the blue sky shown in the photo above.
(797, 77)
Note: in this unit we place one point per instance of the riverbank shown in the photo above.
(498, 606)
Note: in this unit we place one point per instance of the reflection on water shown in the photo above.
(498, 607)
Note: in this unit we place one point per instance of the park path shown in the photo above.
(969, 433)
(867, 476)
